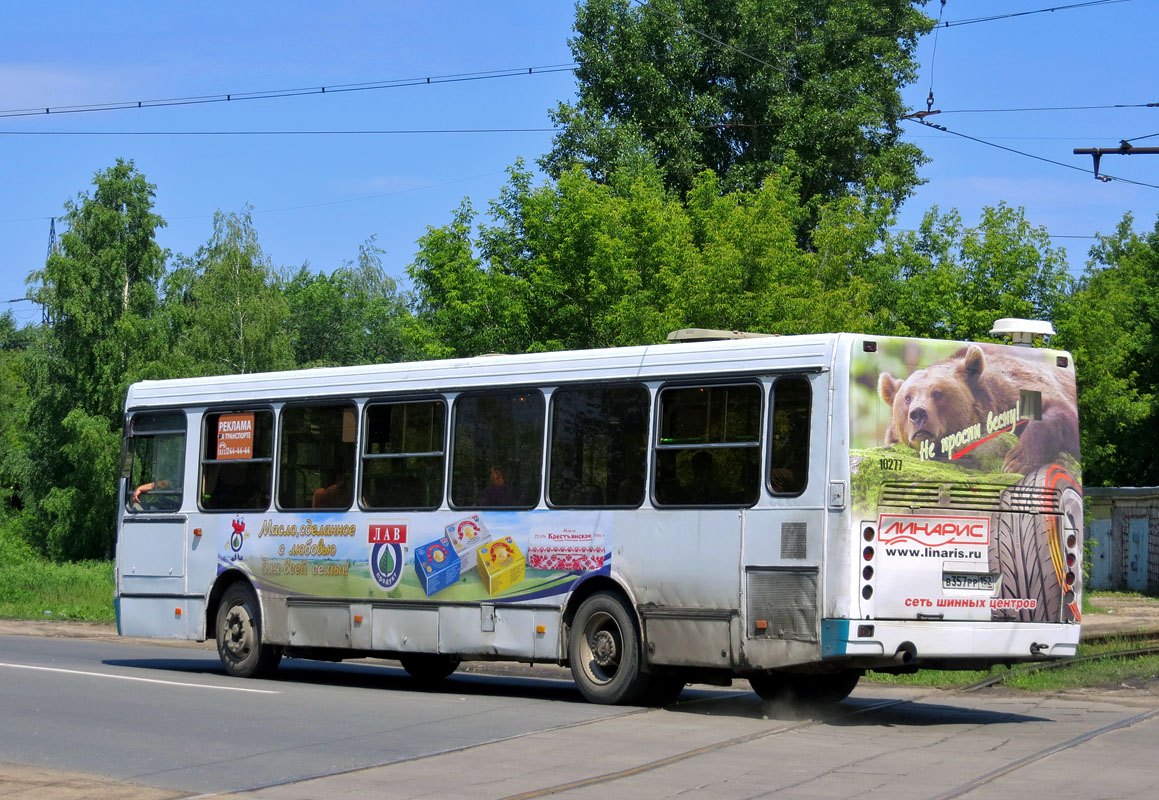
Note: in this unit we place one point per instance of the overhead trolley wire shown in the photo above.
(1030, 155)
(649, 7)
(296, 92)
(996, 17)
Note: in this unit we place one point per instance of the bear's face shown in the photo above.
(933, 402)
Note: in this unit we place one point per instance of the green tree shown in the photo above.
(14, 344)
(99, 292)
(1110, 325)
(461, 307)
(579, 263)
(741, 88)
(227, 313)
(354, 315)
(947, 281)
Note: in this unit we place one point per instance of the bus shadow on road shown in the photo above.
(368, 676)
(852, 712)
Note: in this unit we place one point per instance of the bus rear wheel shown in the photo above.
(429, 668)
(805, 690)
(604, 651)
(239, 635)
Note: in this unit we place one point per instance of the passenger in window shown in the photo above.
(145, 488)
(498, 492)
(790, 462)
(334, 492)
(156, 502)
(701, 473)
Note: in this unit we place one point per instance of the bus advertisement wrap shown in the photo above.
(966, 458)
(514, 555)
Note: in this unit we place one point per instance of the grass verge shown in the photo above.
(39, 589)
(1110, 671)
(32, 587)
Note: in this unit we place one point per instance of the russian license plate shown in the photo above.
(968, 580)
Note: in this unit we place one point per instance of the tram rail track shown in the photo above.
(836, 715)
(958, 791)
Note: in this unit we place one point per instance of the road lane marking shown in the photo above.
(143, 680)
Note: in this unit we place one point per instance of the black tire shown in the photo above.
(239, 635)
(429, 668)
(604, 651)
(805, 690)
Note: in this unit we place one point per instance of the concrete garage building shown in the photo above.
(1124, 524)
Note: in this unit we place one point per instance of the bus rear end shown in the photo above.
(965, 533)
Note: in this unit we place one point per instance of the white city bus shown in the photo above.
(788, 510)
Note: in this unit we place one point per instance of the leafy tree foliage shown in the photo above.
(1109, 324)
(742, 88)
(952, 282)
(354, 315)
(14, 343)
(581, 263)
(100, 292)
(229, 315)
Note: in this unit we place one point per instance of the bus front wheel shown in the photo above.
(239, 635)
(604, 651)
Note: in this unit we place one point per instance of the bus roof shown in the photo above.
(660, 361)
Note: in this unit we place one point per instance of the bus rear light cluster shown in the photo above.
(1072, 559)
(867, 554)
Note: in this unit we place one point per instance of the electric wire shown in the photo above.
(1028, 109)
(816, 84)
(1012, 15)
(295, 92)
(1031, 155)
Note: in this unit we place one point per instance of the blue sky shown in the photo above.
(316, 198)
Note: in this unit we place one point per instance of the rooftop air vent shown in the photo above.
(1022, 331)
(709, 335)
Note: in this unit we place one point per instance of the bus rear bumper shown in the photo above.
(945, 644)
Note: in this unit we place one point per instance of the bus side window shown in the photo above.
(789, 442)
(599, 440)
(154, 462)
(708, 452)
(237, 461)
(403, 455)
(316, 457)
(498, 449)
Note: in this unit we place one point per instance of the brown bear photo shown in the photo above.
(978, 381)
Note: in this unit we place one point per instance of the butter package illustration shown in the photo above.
(437, 565)
(501, 564)
(468, 535)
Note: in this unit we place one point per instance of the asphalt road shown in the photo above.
(144, 715)
(170, 717)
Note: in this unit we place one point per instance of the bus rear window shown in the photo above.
(789, 445)
(708, 452)
(236, 460)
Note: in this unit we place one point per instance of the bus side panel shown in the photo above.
(680, 567)
(783, 583)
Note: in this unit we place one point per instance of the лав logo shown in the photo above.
(237, 538)
(386, 564)
(933, 531)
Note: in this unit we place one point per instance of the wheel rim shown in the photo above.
(601, 648)
(239, 635)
